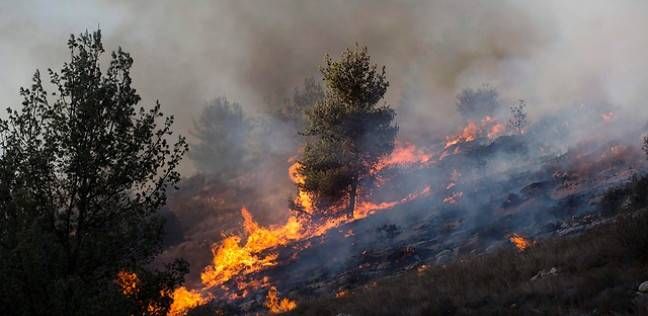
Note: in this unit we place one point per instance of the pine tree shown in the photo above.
(348, 133)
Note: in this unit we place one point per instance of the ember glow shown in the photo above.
(607, 116)
(128, 282)
(520, 242)
(453, 198)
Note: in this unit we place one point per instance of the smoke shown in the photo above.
(551, 53)
(570, 60)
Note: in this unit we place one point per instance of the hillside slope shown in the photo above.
(597, 272)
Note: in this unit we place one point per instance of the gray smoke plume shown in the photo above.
(551, 53)
(571, 61)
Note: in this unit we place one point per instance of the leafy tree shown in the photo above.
(303, 99)
(474, 104)
(518, 120)
(222, 131)
(83, 172)
(348, 132)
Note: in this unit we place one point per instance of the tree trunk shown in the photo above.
(352, 198)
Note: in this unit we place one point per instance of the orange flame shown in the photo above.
(496, 130)
(405, 153)
(278, 305)
(235, 257)
(468, 134)
(488, 127)
(184, 300)
(520, 242)
(303, 199)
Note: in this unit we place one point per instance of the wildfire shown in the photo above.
(230, 258)
(341, 293)
(128, 282)
(303, 199)
(607, 117)
(468, 134)
(236, 257)
(277, 305)
(520, 242)
(496, 130)
(184, 300)
(487, 127)
(453, 198)
(405, 153)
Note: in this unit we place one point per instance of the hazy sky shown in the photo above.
(551, 53)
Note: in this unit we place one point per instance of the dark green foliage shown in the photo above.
(474, 104)
(222, 131)
(348, 132)
(83, 172)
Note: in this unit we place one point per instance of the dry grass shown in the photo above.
(598, 274)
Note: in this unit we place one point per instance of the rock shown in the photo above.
(543, 274)
(643, 287)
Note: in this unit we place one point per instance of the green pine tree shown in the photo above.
(348, 133)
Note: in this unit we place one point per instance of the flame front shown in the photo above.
(236, 257)
(231, 258)
(184, 300)
(487, 127)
